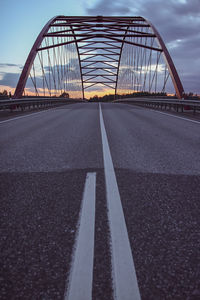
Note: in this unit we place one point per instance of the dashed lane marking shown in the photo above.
(123, 270)
(81, 273)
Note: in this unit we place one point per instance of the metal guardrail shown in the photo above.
(35, 103)
(175, 104)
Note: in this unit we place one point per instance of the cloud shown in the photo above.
(176, 20)
(9, 79)
(105, 7)
(189, 7)
(3, 65)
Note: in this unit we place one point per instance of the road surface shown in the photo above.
(100, 201)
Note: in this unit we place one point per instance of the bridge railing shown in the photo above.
(35, 103)
(175, 104)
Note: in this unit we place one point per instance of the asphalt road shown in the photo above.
(45, 159)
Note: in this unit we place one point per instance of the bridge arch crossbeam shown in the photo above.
(98, 47)
(148, 47)
(52, 54)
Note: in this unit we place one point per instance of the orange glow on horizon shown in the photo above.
(88, 94)
(102, 93)
(74, 94)
(7, 88)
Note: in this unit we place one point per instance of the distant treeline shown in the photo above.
(109, 98)
(5, 95)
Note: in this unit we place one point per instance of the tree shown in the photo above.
(4, 93)
(64, 95)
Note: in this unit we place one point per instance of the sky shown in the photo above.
(178, 22)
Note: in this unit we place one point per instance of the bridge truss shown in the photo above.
(119, 55)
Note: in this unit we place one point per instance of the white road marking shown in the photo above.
(81, 274)
(31, 114)
(124, 276)
(193, 121)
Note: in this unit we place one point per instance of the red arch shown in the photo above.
(29, 62)
(27, 67)
(171, 67)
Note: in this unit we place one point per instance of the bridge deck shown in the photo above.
(45, 158)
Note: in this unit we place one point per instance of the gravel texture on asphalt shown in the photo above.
(41, 191)
(55, 140)
(6, 114)
(158, 173)
(146, 141)
(162, 216)
(39, 217)
(44, 160)
(39, 214)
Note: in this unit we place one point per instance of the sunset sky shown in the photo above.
(178, 22)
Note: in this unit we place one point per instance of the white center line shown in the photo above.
(124, 276)
(81, 274)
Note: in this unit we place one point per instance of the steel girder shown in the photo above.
(99, 42)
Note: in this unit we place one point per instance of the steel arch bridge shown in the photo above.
(78, 54)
